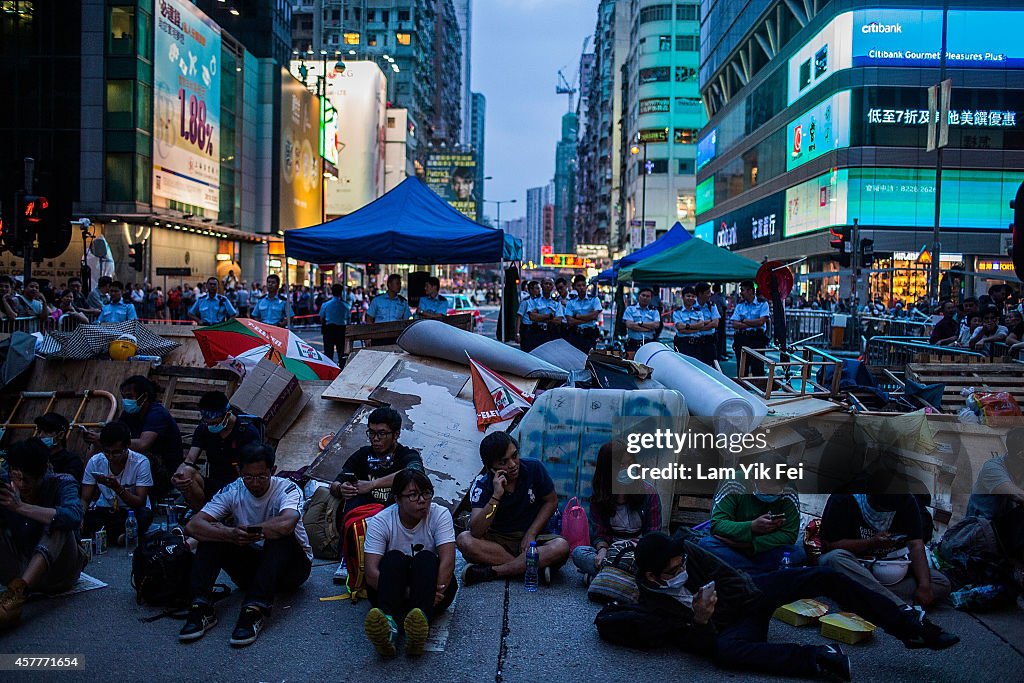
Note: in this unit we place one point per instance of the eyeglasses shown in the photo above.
(255, 477)
(382, 434)
(418, 495)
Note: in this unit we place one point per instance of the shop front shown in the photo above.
(903, 276)
(990, 271)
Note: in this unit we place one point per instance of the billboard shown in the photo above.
(707, 148)
(897, 37)
(820, 130)
(817, 204)
(186, 108)
(752, 225)
(301, 175)
(329, 142)
(705, 195)
(452, 175)
(823, 55)
(705, 231)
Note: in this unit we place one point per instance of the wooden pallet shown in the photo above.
(1008, 377)
(182, 387)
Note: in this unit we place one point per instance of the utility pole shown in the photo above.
(855, 260)
(643, 203)
(943, 98)
(27, 246)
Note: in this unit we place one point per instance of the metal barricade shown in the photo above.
(893, 353)
(808, 328)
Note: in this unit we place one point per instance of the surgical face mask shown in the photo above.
(678, 580)
(219, 427)
(767, 497)
(48, 441)
(130, 405)
(623, 477)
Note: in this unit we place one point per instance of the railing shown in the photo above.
(893, 353)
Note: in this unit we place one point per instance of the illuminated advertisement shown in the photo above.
(186, 108)
(820, 130)
(706, 195)
(897, 37)
(750, 226)
(707, 148)
(299, 189)
(978, 39)
(705, 231)
(573, 261)
(823, 55)
(817, 204)
(329, 142)
(453, 177)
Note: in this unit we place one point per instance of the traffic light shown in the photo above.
(840, 239)
(33, 216)
(372, 269)
(137, 255)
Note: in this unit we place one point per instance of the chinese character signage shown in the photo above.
(572, 261)
(453, 177)
(817, 204)
(968, 118)
(752, 225)
(186, 107)
(820, 130)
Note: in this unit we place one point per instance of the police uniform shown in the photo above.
(533, 334)
(692, 342)
(334, 316)
(273, 310)
(437, 304)
(213, 310)
(636, 314)
(750, 338)
(384, 309)
(709, 338)
(584, 335)
(117, 313)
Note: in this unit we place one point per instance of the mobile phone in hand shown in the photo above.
(258, 530)
(706, 590)
(898, 538)
(776, 515)
(349, 478)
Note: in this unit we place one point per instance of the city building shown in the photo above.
(537, 198)
(820, 121)
(464, 15)
(397, 165)
(565, 186)
(662, 114)
(476, 127)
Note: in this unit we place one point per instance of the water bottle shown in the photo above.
(131, 534)
(787, 561)
(532, 558)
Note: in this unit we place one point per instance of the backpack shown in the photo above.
(162, 570)
(321, 525)
(352, 541)
(616, 582)
(575, 526)
(971, 552)
(637, 626)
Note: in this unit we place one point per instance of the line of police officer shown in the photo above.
(542, 318)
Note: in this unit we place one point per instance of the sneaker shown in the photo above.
(478, 573)
(341, 573)
(250, 622)
(381, 631)
(833, 664)
(200, 619)
(11, 602)
(545, 576)
(417, 628)
(932, 637)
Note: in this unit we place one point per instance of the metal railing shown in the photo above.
(893, 353)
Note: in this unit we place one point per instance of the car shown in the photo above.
(460, 303)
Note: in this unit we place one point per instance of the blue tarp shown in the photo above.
(409, 224)
(676, 235)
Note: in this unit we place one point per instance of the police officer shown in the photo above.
(273, 308)
(334, 317)
(689, 322)
(212, 308)
(432, 305)
(581, 314)
(538, 316)
(528, 332)
(552, 309)
(388, 307)
(642, 321)
(708, 345)
(749, 321)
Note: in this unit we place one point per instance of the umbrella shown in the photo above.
(243, 338)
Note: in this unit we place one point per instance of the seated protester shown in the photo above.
(989, 334)
(512, 505)
(40, 514)
(115, 481)
(857, 526)
(621, 508)
(266, 552)
(410, 565)
(52, 430)
(968, 329)
(754, 524)
(998, 496)
(221, 434)
(369, 473)
(723, 613)
(947, 330)
(1015, 332)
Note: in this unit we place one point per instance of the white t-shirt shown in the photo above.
(248, 510)
(136, 473)
(385, 531)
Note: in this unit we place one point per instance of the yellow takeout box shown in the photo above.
(846, 627)
(801, 612)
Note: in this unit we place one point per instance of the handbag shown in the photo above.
(575, 525)
(616, 582)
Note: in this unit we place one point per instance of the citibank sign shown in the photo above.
(875, 27)
(725, 236)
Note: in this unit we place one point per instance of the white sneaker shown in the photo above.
(341, 574)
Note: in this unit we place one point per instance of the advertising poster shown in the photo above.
(753, 225)
(706, 195)
(453, 177)
(897, 37)
(301, 175)
(990, 40)
(822, 129)
(707, 148)
(823, 55)
(186, 107)
(817, 204)
(329, 144)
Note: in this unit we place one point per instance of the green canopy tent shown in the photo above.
(692, 261)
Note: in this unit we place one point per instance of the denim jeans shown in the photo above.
(279, 566)
(765, 561)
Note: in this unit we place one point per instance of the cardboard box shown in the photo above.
(271, 393)
(846, 627)
(802, 612)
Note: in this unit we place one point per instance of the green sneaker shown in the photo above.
(417, 628)
(381, 630)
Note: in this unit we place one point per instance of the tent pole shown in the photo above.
(285, 290)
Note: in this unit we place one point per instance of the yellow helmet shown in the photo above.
(123, 347)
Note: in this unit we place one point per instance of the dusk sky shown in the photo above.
(518, 48)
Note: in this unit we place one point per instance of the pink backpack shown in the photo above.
(575, 525)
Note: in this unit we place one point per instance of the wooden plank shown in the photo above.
(363, 372)
(300, 445)
(198, 373)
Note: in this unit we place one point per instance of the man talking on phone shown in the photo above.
(266, 552)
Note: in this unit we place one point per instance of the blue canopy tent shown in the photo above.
(677, 234)
(410, 224)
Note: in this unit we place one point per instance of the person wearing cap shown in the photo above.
(531, 328)
(749, 320)
(712, 318)
(221, 434)
(52, 429)
(724, 613)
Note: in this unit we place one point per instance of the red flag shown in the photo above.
(494, 397)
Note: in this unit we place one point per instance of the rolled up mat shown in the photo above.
(435, 339)
(708, 392)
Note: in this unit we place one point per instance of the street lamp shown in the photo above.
(499, 203)
(648, 166)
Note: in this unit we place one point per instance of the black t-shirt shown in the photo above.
(66, 462)
(366, 465)
(518, 508)
(222, 453)
(843, 520)
(167, 447)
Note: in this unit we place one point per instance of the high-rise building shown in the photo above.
(820, 120)
(464, 15)
(565, 186)
(536, 199)
(477, 125)
(662, 114)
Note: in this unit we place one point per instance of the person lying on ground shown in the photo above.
(621, 508)
(40, 513)
(116, 480)
(265, 553)
(512, 505)
(410, 565)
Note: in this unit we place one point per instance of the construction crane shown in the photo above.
(563, 87)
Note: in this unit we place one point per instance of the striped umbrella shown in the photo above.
(244, 340)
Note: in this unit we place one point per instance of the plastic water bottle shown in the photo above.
(131, 533)
(787, 561)
(532, 558)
